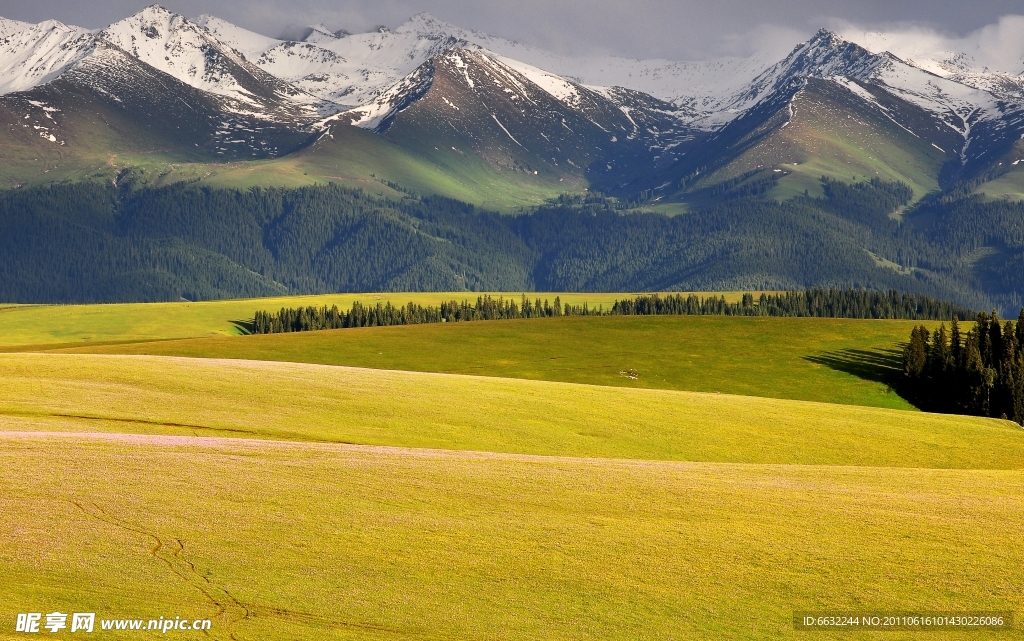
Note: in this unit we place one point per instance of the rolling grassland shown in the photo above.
(828, 360)
(298, 541)
(296, 401)
(497, 479)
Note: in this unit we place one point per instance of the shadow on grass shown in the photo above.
(245, 327)
(878, 365)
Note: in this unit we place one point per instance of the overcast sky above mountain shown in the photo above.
(674, 29)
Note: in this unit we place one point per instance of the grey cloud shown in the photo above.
(686, 29)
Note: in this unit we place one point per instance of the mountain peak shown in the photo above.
(194, 55)
(319, 33)
(149, 21)
(825, 38)
(424, 22)
(156, 11)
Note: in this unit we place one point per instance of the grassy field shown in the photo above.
(828, 360)
(486, 480)
(306, 541)
(38, 325)
(410, 409)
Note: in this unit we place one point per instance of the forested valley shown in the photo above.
(93, 242)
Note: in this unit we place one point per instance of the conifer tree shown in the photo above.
(938, 355)
(915, 354)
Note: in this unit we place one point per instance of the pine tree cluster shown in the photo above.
(822, 303)
(815, 302)
(304, 319)
(980, 373)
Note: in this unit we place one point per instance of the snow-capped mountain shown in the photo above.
(31, 55)
(422, 79)
(522, 119)
(353, 69)
(350, 70)
(827, 55)
(183, 50)
(979, 62)
(9, 27)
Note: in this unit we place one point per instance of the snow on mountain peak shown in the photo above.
(319, 33)
(10, 27)
(990, 58)
(371, 69)
(180, 48)
(426, 24)
(248, 43)
(825, 38)
(559, 88)
(31, 55)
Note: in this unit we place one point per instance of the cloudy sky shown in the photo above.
(674, 29)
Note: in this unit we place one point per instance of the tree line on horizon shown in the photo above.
(979, 373)
(814, 302)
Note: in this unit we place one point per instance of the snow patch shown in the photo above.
(506, 131)
(559, 88)
(461, 65)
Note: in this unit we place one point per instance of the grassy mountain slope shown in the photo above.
(822, 128)
(162, 131)
(353, 154)
(1004, 178)
(101, 143)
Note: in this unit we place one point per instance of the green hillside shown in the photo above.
(100, 141)
(92, 242)
(829, 360)
(353, 153)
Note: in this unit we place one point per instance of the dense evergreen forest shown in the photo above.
(816, 302)
(980, 373)
(92, 242)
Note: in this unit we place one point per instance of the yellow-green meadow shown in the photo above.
(295, 541)
(560, 478)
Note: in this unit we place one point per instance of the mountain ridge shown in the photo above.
(372, 80)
